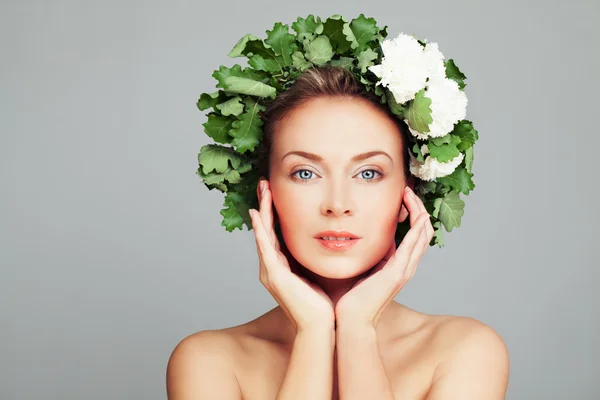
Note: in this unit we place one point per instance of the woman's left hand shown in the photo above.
(364, 303)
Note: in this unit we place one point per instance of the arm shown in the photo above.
(309, 373)
(199, 368)
(361, 374)
(478, 368)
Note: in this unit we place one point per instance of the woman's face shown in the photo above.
(332, 184)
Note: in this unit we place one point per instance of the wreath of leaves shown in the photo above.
(274, 64)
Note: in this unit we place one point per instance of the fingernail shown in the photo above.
(261, 186)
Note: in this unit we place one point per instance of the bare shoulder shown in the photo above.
(455, 331)
(202, 367)
(474, 361)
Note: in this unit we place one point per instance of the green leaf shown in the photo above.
(247, 130)
(219, 186)
(417, 151)
(264, 64)
(213, 157)
(346, 62)
(368, 84)
(231, 216)
(418, 114)
(251, 46)
(319, 51)
(427, 187)
(469, 159)
(365, 59)
(442, 190)
(382, 34)
(449, 210)
(282, 42)
(333, 28)
(440, 140)
(438, 234)
(299, 62)
(467, 134)
(360, 31)
(446, 151)
(452, 72)
(241, 47)
(232, 106)
(208, 100)
(459, 180)
(307, 29)
(217, 127)
(245, 82)
(395, 107)
(217, 180)
(250, 87)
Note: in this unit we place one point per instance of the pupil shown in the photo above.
(368, 172)
(305, 173)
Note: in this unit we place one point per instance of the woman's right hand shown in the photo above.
(304, 302)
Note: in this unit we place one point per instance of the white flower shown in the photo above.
(448, 106)
(404, 67)
(424, 149)
(435, 61)
(432, 168)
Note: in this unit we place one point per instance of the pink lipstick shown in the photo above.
(337, 240)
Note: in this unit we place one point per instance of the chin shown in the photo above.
(337, 264)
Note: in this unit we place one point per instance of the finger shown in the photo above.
(391, 250)
(266, 213)
(410, 200)
(401, 257)
(263, 242)
(418, 251)
(417, 207)
(428, 226)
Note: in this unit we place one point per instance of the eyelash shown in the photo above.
(293, 175)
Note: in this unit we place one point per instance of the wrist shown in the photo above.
(315, 330)
(349, 327)
(320, 334)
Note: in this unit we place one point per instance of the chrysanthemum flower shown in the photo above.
(448, 106)
(404, 67)
(432, 168)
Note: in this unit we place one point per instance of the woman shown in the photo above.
(335, 168)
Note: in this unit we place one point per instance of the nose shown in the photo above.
(337, 200)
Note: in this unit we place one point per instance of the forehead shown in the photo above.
(334, 126)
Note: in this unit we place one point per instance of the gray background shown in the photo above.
(112, 249)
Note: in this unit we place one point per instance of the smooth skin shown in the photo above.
(318, 181)
(306, 304)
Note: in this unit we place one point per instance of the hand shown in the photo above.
(364, 303)
(304, 302)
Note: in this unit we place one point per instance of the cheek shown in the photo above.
(293, 204)
(383, 207)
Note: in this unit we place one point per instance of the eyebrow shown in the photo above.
(358, 157)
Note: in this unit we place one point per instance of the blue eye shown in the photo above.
(305, 176)
(369, 175)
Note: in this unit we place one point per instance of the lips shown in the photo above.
(337, 240)
(331, 234)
